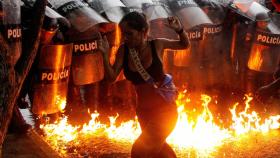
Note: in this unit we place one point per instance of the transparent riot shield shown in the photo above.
(87, 63)
(264, 59)
(213, 49)
(255, 9)
(213, 9)
(156, 10)
(209, 49)
(96, 5)
(186, 10)
(87, 66)
(184, 60)
(80, 15)
(51, 79)
(243, 5)
(136, 5)
(157, 14)
(250, 8)
(52, 14)
(264, 54)
(114, 10)
(224, 3)
(11, 29)
(274, 24)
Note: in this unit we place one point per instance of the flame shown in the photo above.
(255, 61)
(94, 125)
(201, 133)
(116, 44)
(61, 102)
(60, 132)
(245, 122)
(128, 131)
(194, 133)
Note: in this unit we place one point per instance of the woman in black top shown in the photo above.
(157, 117)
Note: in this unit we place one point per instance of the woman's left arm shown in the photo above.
(182, 43)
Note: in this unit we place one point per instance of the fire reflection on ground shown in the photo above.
(198, 133)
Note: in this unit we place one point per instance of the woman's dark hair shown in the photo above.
(136, 21)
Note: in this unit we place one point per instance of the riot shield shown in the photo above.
(209, 49)
(112, 9)
(96, 5)
(264, 59)
(264, 54)
(52, 14)
(186, 10)
(87, 65)
(274, 23)
(214, 10)
(51, 79)
(87, 62)
(80, 15)
(156, 10)
(185, 58)
(136, 5)
(213, 37)
(250, 8)
(11, 29)
(243, 5)
(157, 14)
(255, 9)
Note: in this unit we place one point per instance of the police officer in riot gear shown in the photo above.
(271, 89)
(52, 33)
(259, 76)
(262, 20)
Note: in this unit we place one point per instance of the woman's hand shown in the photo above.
(175, 23)
(103, 45)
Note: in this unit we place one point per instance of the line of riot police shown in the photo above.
(234, 48)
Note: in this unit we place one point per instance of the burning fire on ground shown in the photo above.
(198, 136)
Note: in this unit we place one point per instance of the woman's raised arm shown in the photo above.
(111, 72)
(182, 43)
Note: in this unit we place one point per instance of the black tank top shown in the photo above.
(155, 69)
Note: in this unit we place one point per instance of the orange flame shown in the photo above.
(245, 122)
(255, 61)
(201, 134)
(116, 44)
(61, 102)
(194, 133)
